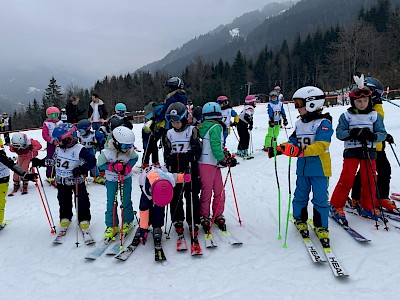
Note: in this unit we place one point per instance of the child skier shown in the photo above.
(53, 114)
(117, 161)
(6, 164)
(90, 140)
(157, 186)
(63, 116)
(227, 113)
(182, 150)
(360, 127)
(245, 125)
(212, 157)
(71, 161)
(276, 112)
(310, 142)
(26, 149)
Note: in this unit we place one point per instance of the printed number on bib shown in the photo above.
(64, 165)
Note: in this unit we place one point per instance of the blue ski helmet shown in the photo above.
(120, 107)
(65, 135)
(211, 110)
(84, 126)
(375, 86)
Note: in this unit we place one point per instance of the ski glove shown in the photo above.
(117, 166)
(187, 177)
(271, 123)
(285, 122)
(271, 152)
(233, 124)
(231, 161)
(362, 134)
(36, 162)
(77, 172)
(290, 150)
(30, 176)
(389, 139)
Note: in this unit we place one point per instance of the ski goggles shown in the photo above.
(299, 102)
(174, 118)
(54, 115)
(360, 93)
(82, 131)
(126, 146)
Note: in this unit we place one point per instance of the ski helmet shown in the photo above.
(197, 115)
(375, 86)
(63, 110)
(273, 93)
(19, 140)
(211, 110)
(84, 126)
(65, 135)
(123, 138)
(162, 192)
(250, 100)
(222, 100)
(310, 97)
(52, 112)
(120, 109)
(357, 93)
(277, 88)
(114, 122)
(174, 83)
(176, 112)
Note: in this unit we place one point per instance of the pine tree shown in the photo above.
(52, 95)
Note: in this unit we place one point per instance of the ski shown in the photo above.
(124, 254)
(312, 250)
(247, 157)
(354, 234)
(355, 212)
(100, 248)
(87, 237)
(195, 247)
(181, 243)
(116, 247)
(12, 194)
(159, 253)
(208, 238)
(395, 196)
(229, 237)
(334, 263)
(61, 235)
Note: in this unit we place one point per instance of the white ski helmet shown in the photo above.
(314, 98)
(123, 138)
(19, 140)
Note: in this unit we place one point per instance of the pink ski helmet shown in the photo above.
(250, 100)
(162, 192)
(52, 112)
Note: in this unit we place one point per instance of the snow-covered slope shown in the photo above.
(33, 268)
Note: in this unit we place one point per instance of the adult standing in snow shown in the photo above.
(74, 113)
(98, 112)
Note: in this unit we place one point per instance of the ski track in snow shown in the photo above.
(34, 268)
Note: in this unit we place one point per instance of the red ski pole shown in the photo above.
(234, 197)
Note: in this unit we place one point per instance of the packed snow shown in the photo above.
(33, 267)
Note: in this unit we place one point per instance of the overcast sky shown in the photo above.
(101, 37)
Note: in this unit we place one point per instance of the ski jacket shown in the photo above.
(211, 132)
(276, 110)
(314, 137)
(48, 128)
(102, 110)
(30, 151)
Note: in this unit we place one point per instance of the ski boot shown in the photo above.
(206, 224)
(143, 233)
(157, 236)
(100, 180)
(338, 214)
(111, 232)
(195, 231)
(24, 187)
(84, 224)
(220, 222)
(15, 189)
(323, 236)
(144, 166)
(388, 204)
(239, 153)
(374, 214)
(302, 227)
(65, 223)
(179, 227)
(127, 227)
(353, 203)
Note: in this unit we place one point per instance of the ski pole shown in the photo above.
(76, 196)
(166, 219)
(220, 198)
(234, 131)
(114, 217)
(251, 142)
(395, 155)
(234, 197)
(52, 225)
(290, 117)
(279, 190)
(289, 202)
(121, 194)
(390, 101)
(191, 199)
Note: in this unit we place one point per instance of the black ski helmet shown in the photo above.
(176, 112)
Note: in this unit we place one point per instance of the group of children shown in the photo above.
(194, 156)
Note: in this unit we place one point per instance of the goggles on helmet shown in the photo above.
(82, 131)
(360, 93)
(121, 113)
(18, 146)
(174, 118)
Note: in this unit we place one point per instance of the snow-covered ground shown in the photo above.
(33, 268)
